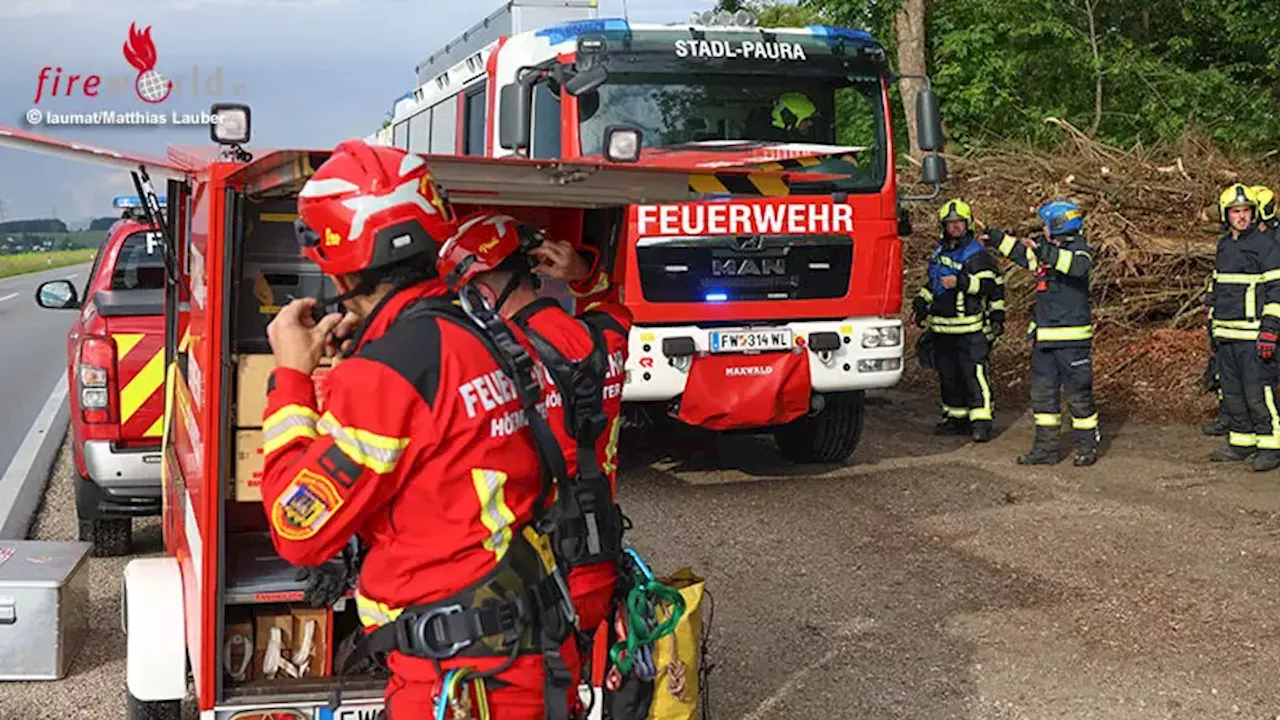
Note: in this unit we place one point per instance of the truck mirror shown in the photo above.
(57, 295)
(928, 120)
(933, 170)
(513, 119)
(586, 80)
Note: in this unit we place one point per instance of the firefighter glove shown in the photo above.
(994, 236)
(328, 583)
(1266, 345)
(919, 311)
(997, 329)
(1209, 381)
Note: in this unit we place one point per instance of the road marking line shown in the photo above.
(23, 482)
(843, 633)
(8, 297)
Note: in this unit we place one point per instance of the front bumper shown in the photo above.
(122, 470)
(654, 376)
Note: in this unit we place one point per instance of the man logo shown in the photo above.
(747, 243)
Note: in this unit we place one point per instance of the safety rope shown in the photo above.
(638, 628)
(455, 700)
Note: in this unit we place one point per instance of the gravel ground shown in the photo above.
(933, 579)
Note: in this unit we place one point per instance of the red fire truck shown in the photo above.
(221, 609)
(772, 303)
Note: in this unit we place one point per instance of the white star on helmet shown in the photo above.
(366, 205)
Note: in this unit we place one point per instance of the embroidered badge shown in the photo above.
(305, 506)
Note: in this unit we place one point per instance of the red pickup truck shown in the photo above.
(115, 375)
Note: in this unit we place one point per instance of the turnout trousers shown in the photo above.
(1248, 396)
(963, 372)
(1069, 370)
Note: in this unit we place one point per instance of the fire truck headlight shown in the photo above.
(622, 143)
(230, 125)
(881, 337)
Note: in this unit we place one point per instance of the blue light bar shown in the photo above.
(832, 34)
(565, 32)
(125, 202)
(716, 297)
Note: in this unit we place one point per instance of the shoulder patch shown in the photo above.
(309, 501)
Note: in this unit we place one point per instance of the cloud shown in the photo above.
(30, 8)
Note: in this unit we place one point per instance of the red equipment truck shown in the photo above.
(771, 304)
(115, 369)
(221, 609)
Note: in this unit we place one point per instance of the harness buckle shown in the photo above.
(427, 638)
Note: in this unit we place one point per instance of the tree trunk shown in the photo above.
(1090, 6)
(909, 27)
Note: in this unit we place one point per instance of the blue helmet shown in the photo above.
(1062, 216)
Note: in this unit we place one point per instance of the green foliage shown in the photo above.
(1002, 66)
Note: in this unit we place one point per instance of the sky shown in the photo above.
(314, 72)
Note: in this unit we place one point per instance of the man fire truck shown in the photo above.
(770, 301)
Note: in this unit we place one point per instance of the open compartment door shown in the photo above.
(71, 150)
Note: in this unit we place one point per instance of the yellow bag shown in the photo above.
(687, 641)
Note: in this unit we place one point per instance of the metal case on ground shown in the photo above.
(44, 607)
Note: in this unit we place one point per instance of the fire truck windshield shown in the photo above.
(677, 112)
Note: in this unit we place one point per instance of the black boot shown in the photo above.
(1231, 453)
(952, 426)
(1215, 427)
(1045, 451)
(1266, 460)
(1087, 447)
(981, 431)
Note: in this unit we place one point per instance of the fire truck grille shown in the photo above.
(745, 267)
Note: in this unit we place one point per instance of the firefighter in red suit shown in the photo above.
(409, 455)
(504, 258)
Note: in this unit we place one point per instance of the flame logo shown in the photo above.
(140, 51)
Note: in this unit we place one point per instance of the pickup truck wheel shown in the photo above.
(158, 710)
(111, 537)
(828, 437)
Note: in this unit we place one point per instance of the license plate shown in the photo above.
(363, 711)
(730, 341)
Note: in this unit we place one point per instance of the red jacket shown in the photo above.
(600, 308)
(422, 451)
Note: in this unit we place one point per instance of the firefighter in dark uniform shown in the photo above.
(954, 305)
(1267, 215)
(1244, 304)
(1061, 331)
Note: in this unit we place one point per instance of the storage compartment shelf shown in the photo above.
(256, 574)
(357, 688)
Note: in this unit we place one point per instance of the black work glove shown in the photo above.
(997, 329)
(328, 583)
(1209, 381)
(993, 237)
(919, 311)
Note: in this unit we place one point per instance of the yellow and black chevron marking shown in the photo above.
(751, 184)
(808, 162)
(135, 392)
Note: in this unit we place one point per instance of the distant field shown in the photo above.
(35, 262)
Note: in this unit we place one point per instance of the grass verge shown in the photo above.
(23, 263)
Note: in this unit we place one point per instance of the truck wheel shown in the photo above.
(157, 710)
(828, 437)
(111, 537)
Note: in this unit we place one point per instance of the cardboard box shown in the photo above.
(238, 653)
(265, 625)
(251, 387)
(321, 656)
(248, 477)
(291, 626)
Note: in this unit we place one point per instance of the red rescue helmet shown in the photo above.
(368, 207)
(484, 241)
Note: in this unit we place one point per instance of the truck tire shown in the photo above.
(111, 537)
(828, 437)
(158, 710)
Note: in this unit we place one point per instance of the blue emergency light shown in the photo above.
(716, 297)
(563, 32)
(129, 202)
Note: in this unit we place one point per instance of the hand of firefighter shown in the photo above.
(948, 281)
(297, 341)
(1029, 243)
(993, 236)
(559, 261)
(1266, 345)
(340, 340)
(919, 311)
(997, 329)
(328, 583)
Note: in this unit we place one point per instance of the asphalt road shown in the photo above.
(32, 352)
(933, 579)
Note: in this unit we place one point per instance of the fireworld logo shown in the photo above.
(149, 84)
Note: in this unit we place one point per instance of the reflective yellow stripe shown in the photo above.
(955, 412)
(1232, 334)
(948, 262)
(494, 512)
(1242, 439)
(1007, 244)
(610, 464)
(1271, 310)
(373, 613)
(1251, 302)
(1048, 419)
(1085, 423)
(924, 293)
(602, 284)
(1237, 278)
(975, 285)
(286, 425)
(958, 320)
(1238, 324)
(1270, 276)
(1059, 334)
(1063, 263)
(126, 342)
(997, 305)
(156, 427)
(143, 385)
(984, 412)
(378, 453)
(959, 329)
(1272, 441)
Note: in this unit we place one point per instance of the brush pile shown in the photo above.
(1151, 217)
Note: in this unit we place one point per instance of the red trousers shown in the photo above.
(413, 687)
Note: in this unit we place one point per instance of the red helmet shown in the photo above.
(483, 242)
(368, 207)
